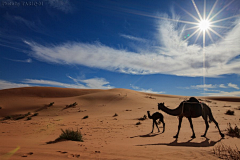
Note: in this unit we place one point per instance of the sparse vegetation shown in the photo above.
(142, 118)
(68, 134)
(71, 105)
(7, 117)
(35, 114)
(138, 123)
(229, 112)
(238, 108)
(85, 117)
(71, 135)
(51, 104)
(233, 132)
(115, 115)
(226, 152)
(29, 118)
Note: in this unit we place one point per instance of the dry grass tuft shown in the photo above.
(142, 118)
(233, 132)
(229, 112)
(226, 152)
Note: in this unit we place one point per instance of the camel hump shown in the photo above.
(193, 99)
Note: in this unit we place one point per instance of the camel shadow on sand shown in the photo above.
(147, 135)
(206, 143)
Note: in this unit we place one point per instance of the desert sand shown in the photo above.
(106, 136)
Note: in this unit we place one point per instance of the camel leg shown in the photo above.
(179, 127)
(156, 125)
(163, 126)
(207, 126)
(191, 125)
(212, 119)
(152, 126)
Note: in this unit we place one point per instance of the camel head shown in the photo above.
(160, 105)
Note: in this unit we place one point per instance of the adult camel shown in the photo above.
(191, 109)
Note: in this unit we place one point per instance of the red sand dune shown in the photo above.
(105, 136)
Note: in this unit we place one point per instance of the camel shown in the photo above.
(191, 109)
(155, 116)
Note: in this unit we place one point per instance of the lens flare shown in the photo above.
(204, 25)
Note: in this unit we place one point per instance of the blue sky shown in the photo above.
(142, 45)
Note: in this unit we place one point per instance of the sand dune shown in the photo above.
(105, 136)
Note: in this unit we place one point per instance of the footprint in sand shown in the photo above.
(70, 155)
(27, 154)
(73, 155)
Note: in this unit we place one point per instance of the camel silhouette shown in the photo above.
(155, 116)
(191, 109)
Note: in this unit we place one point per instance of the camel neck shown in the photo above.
(174, 112)
(149, 116)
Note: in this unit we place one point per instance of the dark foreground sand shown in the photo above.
(105, 136)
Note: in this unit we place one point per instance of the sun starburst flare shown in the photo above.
(204, 25)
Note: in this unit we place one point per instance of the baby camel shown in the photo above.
(155, 116)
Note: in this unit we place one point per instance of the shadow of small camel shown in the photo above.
(147, 135)
(205, 143)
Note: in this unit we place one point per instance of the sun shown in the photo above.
(204, 25)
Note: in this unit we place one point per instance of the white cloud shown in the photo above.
(52, 83)
(206, 86)
(94, 83)
(173, 55)
(7, 84)
(222, 93)
(145, 90)
(222, 86)
(233, 85)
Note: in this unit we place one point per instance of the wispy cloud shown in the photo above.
(133, 38)
(223, 93)
(94, 83)
(233, 85)
(29, 60)
(173, 55)
(62, 5)
(210, 86)
(32, 25)
(217, 89)
(146, 90)
(7, 84)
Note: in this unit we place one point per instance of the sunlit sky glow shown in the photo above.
(151, 46)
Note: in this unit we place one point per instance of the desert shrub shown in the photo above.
(85, 117)
(29, 118)
(20, 117)
(71, 105)
(143, 118)
(229, 112)
(233, 132)
(51, 104)
(115, 115)
(226, 152)
(70, 135)
(35, 114)
(138, 123)
(8, 117)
